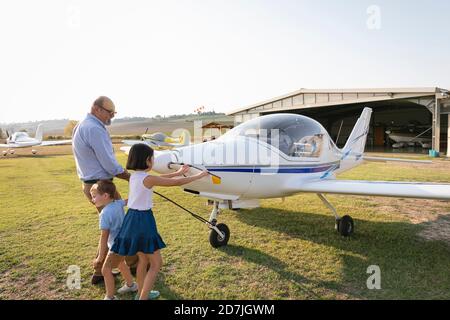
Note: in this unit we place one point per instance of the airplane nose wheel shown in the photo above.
(216, 240)
(220, 233)
(345, 225)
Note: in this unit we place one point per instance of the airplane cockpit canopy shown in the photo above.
(17, 136)
(294, 135)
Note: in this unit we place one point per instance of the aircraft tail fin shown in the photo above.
(185, 138)
(357, 140)
(39, 133)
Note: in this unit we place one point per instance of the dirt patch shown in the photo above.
(14, 286)
(436, 164)
(41, 151)
(438, 229)
(434, 215)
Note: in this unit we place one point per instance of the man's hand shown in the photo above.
(125, 175)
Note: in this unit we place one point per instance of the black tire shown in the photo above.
(346, 226)
(216, 240)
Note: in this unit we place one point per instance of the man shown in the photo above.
(94, 158)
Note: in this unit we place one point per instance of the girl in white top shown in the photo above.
(139, 234)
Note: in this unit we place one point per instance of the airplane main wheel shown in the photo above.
(216, 240)
(345, 226)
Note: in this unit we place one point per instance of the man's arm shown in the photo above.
(103, 148)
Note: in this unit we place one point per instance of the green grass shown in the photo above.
(283, 250)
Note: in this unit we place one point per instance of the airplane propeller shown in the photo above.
(142, 137)
(8, 136)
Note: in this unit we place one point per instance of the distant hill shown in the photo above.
(137, 126)
(127, 125)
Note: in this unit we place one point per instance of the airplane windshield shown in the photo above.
(19, 135)
(292, 134)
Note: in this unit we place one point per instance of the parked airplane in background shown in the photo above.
(160, 141)
(23, 140)
(405, 139)
(280, 155)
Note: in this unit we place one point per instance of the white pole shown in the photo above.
(448, 136)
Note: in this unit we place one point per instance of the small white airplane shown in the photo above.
(160, 141)
(23, 140)
(280, 155)
(409, 139)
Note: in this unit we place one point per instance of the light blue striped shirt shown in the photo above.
(93, 151)
(111, 219)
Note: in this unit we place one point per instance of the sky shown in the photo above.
(171, 57)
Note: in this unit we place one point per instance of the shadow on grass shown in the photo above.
(305, 285)
(411, 267)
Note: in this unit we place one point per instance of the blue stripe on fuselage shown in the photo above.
(272, 170)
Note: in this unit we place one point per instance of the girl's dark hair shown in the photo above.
(138, 155)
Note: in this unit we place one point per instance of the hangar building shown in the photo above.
(421, 109)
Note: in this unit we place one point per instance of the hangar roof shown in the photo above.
(310, 98)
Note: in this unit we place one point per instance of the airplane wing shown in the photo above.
(380, 159)
(438, 191)
(132, 142)
(54, 143)
(125, 149)
(11, 145)
(157, 145)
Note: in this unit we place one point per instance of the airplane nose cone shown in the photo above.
(162, 160)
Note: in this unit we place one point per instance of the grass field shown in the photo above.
(283, 250)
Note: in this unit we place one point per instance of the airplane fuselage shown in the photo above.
(253, 169)
(22, 140)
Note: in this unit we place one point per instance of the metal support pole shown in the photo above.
(436, 135)
(328, 204)
(448, 136)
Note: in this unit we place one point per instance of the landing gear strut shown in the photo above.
(343, 225)
(220, 233)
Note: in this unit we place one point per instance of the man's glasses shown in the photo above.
(109, 111)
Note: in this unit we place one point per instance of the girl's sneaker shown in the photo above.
(152, 295)
(108, 298)
(125, 288)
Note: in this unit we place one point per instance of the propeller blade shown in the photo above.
(142, 137)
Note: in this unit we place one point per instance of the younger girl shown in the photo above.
(139, 234)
